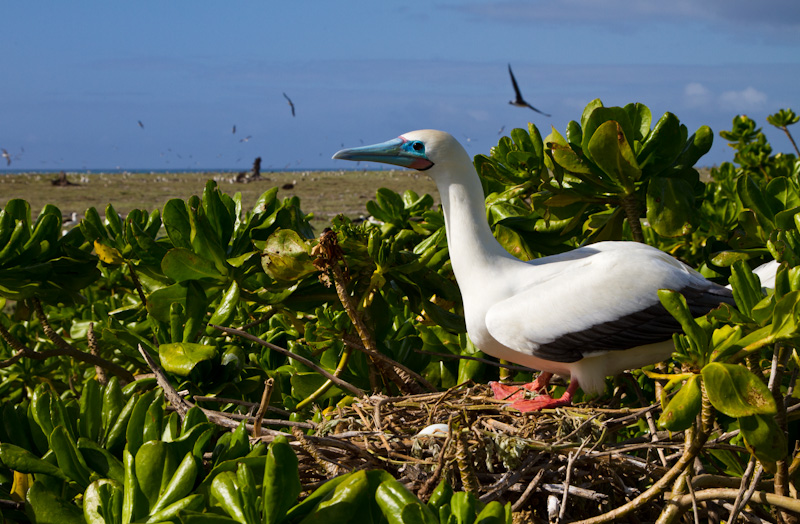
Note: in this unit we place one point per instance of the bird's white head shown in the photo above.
(426, 149)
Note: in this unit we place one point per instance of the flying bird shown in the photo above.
(140, 124)
(518, 100)
(245, 139)
(7, 157)
(588, 313)
(291, 104)
(234, 129)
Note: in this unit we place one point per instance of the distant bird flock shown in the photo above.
(518, 101)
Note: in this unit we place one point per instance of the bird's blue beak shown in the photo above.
(398, 152)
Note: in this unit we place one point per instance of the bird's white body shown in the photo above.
(513, 307)
(588, 313)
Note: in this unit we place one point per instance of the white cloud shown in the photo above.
(696, 94)
(748, 98)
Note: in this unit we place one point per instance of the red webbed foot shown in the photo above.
(545, 401)
(515, 393)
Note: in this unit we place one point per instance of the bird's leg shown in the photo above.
(545, 401)
(514, 393)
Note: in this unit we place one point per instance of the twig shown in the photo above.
(761, 497)
(65, 348)
(328, 466)
(743, 497)
(378, 355)
(648, 418)
(509, 479)
(336, 380)
(532, 485)
(694, 501)
(22, 350)
(329, 254)
(466, 465)
(181, 406)
(696, 438)
(225, 400)
(262, 408)
(748, 472)
(477, 359)
(99, 372)
(264, 421)
(568, 478)
(434, 479)
(136, 283)
(558, 489)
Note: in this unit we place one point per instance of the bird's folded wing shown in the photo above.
(566, 327)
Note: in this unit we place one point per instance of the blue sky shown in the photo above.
(79, 76)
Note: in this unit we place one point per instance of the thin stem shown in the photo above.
(328, 383)
(632, 213)
(65, 348)
(791, 139)
(336, 380)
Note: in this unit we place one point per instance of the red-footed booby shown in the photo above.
(589, 313)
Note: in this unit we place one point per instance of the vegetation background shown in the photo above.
(207, 360)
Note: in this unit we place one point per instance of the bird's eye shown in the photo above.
(418, 146)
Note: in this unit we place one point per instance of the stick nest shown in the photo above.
(528, 459)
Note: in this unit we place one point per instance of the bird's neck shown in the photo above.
(473, 248)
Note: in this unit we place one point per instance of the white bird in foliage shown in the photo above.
(587, 313)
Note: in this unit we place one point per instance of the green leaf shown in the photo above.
(160, 301)
(696, 146)
(281, 481)
(463, 506)
(493, 513)
(154, 464)
(193, 502)
(181, 358)
(181, 264)
(22, 460)
(102, 502)
(785, 316)
(100, 460)
(196, 306)
(640, 117)
(69, 458)
(219, 216)
(90, 422)
(225, 491)
(225, 309)
(683, 407)
(764, 438)
(610, 150)
(346, 499)
(177, 224)
(736, 392)
(180, 485)
(286, 256)
(46, 507)
(745, 286)
(135, 428)
(752, 197)
(565, 156)
(400, 506)
(662, 145)
(670, 206)
(306, 383)
(440, 496)
(676, 305)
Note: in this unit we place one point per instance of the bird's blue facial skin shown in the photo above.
(398, 151)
